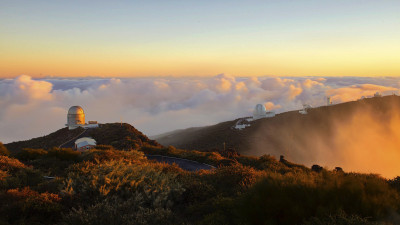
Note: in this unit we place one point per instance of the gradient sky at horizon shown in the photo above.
(199, 38)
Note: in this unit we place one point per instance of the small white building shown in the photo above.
(305, 109)
(85, 143)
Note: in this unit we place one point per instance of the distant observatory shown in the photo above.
(76, 118)
(261, 112)
(306, 108)
(328, 101)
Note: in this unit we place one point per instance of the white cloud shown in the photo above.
(32, 108)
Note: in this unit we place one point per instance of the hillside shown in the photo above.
(108, 186)
(310, 138)
(123, 136)
(105, 185)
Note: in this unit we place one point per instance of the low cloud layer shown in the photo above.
(35, 107)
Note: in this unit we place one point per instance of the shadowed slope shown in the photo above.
(119, 136)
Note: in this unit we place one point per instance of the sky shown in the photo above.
(199, 38)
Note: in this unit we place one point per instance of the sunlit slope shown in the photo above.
(362, 135)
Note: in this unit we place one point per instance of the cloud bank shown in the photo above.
(35, 107)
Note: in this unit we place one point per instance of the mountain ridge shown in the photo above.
(306, 139)
(120, 136)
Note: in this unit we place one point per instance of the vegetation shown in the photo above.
(120, 136)
(109, 186)
(54, 139)
(119, 185)
(3, 150)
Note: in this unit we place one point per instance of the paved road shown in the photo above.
(185, 164)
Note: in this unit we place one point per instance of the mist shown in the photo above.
(359, 138)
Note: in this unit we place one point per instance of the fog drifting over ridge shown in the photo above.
(35, 107)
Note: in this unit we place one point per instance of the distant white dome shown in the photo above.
(259, 112)
(75, 117)
(75, 110)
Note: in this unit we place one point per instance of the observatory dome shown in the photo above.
(75, 117)
(259, 112)
(75, 110)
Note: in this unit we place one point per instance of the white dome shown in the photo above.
(75, 110)
(259, 111)
(75, 117)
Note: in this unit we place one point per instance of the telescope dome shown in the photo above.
(259, 112)
(75, 110)
(75, 117)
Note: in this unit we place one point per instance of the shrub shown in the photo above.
(10, 164)
(104, 147)
(96, 155)
(290, 198)
(205, 157)
(341, 218)
(152, 189)
(64, 154)
(395, 182)
(31, 154)
(115, 210)
(25, 206)
(226, 180)
(15, 174)
(52, 166)
(3, 150)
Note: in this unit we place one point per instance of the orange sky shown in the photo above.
(200, 39)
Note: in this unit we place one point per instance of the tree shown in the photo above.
(3, 150)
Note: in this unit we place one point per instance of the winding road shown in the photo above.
(185, 164)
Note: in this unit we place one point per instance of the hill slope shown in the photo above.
(119, 136)
(328, 135)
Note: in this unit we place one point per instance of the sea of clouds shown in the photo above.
(35, 107)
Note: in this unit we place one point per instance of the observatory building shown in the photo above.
(261, 112)
(305, 109)
(76, 118)
(85, 143)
